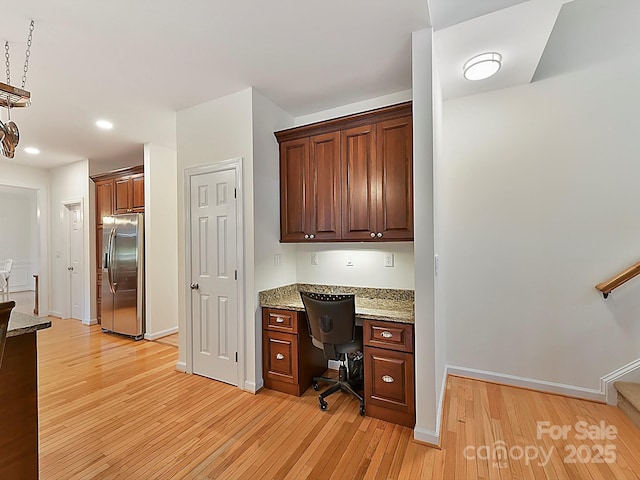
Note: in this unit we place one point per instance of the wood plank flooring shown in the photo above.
(113, 408)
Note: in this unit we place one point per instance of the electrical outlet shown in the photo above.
(314, 259)
(388, 259)
(277, 260)
(349, 260)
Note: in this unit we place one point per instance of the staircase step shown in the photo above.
(629, 400)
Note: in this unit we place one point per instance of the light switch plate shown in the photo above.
(277, 260)
(314, 259)
(388, 259)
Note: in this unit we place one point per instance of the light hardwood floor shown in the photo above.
(114, 408)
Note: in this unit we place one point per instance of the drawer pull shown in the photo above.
(387, 379)
(279, 320)
(280, 356)
(386, 334)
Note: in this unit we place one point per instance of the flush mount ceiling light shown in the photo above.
(104, 124)
(31, 150)
(482, 66)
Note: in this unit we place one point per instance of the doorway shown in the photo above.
(214, 273)
(75, 259)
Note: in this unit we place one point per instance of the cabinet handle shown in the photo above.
(373, 235)
(387, 379)
(280, 356)
(386, 334)
(279, 320)
(379, 234)
(306, 236)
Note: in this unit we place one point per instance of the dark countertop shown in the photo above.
(21, 323)
(371, 303)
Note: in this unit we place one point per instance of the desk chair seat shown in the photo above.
(5, 313)
(332, 326)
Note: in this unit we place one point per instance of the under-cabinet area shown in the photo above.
(348, 179)
(386, 317)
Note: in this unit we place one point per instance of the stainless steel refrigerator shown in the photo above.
(123, 274)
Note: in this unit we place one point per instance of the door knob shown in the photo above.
(194, 286)
(70, 269)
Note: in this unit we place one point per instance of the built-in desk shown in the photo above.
(19, 398)
(290, 360)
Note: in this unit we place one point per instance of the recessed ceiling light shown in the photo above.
(482, 66)
(31, 150)
(104, 124)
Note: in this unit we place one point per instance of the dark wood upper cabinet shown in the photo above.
(129, 194)
(348, 179)
(104, 200)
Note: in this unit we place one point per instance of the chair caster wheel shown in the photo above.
(362, 410)
(323, 404)
(316, 387)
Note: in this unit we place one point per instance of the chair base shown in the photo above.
(342, 383)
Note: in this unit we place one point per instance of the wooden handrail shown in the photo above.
(619, 279)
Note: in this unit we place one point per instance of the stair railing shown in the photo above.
(619, 279)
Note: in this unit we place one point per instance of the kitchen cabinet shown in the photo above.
(289, 359)
(118, 191)
(389, 386)
(348, 179)
(310, 193)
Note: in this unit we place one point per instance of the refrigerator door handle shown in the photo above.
(112, 286)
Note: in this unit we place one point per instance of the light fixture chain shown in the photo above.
(6, 56)
(27, 54)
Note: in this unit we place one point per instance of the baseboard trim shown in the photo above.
(92, 321)
(252, 387)
(161, 333)
(427, 436)
(606, 382)
(530, 383)
(181, 366)
(55, 314)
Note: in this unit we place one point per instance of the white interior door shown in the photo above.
(214, 285)
(76, 261)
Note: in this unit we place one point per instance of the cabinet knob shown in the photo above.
(312, 236)
(386, 334)
(280, 356)
(279, 320)
(387, 379)
(379, 234)
(373, 235)
(306, 236)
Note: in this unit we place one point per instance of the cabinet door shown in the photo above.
(389, 385)
(104, 200)
(294, 165)
(323, 187)
(394, 176)
(122, 194)
(358, 183)
(137, 193)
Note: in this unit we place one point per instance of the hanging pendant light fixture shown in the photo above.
(12, 97)
(482, 66)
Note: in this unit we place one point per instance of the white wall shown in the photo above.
(20, 239)
(267, 118)
(12, 174)
(212, 132)
(161, 241)
(540, 203)
(368, 268)
(427, 393)
(69, 183)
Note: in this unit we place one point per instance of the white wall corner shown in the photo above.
(181, 366)
(426, 436)
(253, 387)
(628, 373)
(91, 321)
(160, 334)
(533, 384)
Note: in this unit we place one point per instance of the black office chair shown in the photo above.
(332, 326)
(5, 313)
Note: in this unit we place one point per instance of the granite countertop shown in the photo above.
(371, 303)
(21, 323)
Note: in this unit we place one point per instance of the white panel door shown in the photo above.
(214, 288)
(76, 259)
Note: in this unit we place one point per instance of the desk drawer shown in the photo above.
(281, 357)
(389, 335)
(280, 320)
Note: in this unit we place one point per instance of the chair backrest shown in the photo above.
(5, 313)
(331, 318)
(8, 264)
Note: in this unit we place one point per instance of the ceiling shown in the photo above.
(138, 62)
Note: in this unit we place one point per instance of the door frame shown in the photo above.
(67, 205)
(231, 164)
